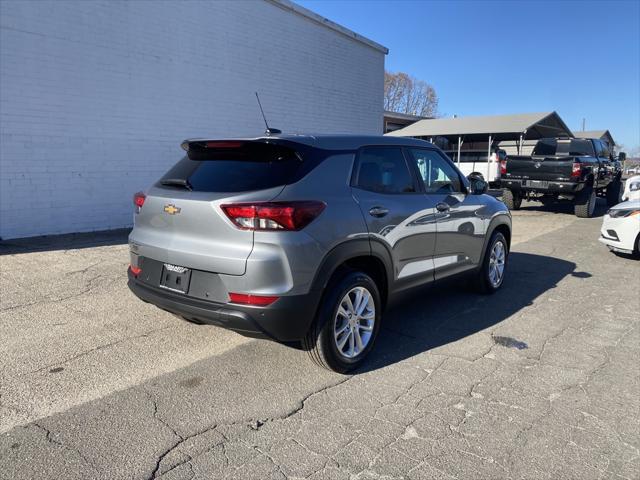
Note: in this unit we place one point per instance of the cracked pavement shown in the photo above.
(540, 381)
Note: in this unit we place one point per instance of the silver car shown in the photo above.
(307, 238)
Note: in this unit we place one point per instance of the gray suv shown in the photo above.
(307, 238)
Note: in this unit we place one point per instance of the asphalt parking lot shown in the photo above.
(541, 380)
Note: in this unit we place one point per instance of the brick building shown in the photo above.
(97, 96)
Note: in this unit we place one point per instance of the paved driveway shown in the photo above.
(541, 380)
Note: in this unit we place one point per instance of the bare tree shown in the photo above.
(406, 94)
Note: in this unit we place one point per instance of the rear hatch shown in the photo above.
(181, 222)
(552, 160)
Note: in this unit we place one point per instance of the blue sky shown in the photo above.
(581, 59)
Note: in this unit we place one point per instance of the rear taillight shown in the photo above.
(273, 215)
(135, 270)
(503, 167)
(576, 170)
(138, 200)
(246, 299)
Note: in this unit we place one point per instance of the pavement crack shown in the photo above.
(95, 349)
(52, 440)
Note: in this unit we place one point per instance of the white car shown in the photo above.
(621, 228)
(632, 189)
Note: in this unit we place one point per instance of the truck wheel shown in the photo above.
(491, 274)
(347, 323)
(585, 202)
(511, 199)
(614, 192)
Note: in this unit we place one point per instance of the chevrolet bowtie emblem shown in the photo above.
(171, 209)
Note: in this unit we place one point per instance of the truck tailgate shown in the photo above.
(539, 168)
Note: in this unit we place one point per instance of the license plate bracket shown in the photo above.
(175, 278)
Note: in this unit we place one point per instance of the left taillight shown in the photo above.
(273, 215)
(576, 170)
(138, 200)
(135, 270)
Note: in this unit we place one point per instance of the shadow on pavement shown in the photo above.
(65, 242)
(433, 318)
(562, 207)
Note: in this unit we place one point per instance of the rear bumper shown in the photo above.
(287, 319)
(546, 187)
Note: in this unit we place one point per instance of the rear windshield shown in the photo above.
(233, 167)
(564, 147)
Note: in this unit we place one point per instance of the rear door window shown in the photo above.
(563, 147)
(383, 170)
(233, 167)
(546, 147)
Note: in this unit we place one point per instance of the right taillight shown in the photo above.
(273, 215)
(503, 167)
(576, 170)
(138, 200)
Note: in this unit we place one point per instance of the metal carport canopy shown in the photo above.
(500, 127)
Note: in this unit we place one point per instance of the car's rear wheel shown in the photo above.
(585, 202)
(347, 323)
(492, 271)
(511, 199)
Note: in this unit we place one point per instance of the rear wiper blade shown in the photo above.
(177, 182)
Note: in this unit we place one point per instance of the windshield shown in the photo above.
(564, 147)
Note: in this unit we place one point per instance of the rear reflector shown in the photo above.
(135, 270)
(273, 215)
(246, 299)
(138, 199)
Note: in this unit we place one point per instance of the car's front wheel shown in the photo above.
(492, 271)
(347, 323)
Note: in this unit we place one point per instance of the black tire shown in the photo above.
(321, 343)
(483, 283)
(512, 200)
(585, 202)
(614, 190)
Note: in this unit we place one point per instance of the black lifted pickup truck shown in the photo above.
(577, 169)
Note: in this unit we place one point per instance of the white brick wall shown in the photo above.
(95, 97)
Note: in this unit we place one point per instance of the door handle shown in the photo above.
(378, 211)
(442, 207)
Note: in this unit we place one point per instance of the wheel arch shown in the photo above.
(499, 223)
(370, 257)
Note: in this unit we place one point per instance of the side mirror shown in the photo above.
(622, 156)
(478, 185)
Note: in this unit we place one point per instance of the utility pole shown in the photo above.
(583, 122)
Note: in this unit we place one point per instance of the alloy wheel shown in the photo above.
(496, 264)
(354, 322)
